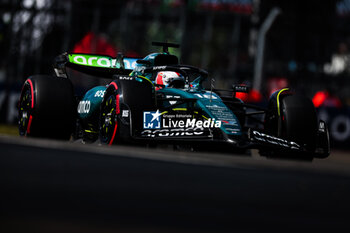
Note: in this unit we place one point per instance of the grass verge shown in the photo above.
(9, 129)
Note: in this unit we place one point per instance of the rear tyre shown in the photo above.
(46, 108)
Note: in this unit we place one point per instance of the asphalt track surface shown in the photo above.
(51, 186)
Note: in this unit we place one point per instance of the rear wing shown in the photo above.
(97, 65)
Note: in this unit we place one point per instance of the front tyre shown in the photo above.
(294, 118)
(299, 121)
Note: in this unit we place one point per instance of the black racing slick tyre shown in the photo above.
(299, 121)
(292, 117)
(46, 107)
(122, 109)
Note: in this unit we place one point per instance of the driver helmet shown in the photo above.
(170, 79)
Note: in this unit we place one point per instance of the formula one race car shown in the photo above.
(155, 100)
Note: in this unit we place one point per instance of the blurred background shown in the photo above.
(268, 44)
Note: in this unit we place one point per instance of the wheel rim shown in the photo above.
(25, 111)
(108, 120)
